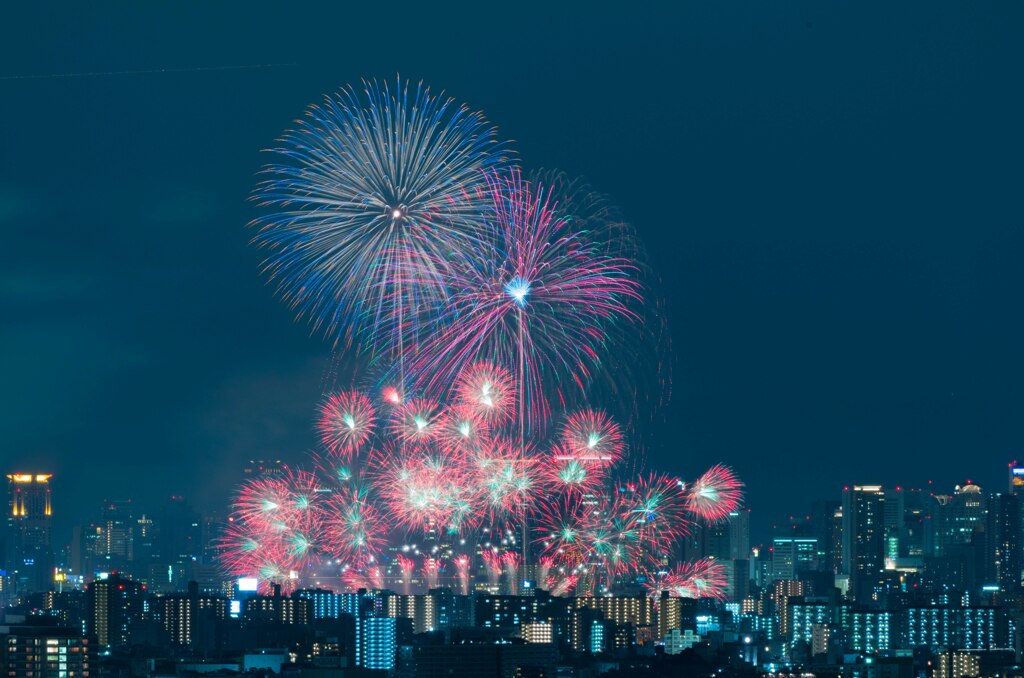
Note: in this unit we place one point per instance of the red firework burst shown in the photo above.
(699, 579)
(415, 420)
(716, 494)
(592, 436)
(346, 422)
(488, 391)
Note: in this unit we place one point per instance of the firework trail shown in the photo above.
(406, 566)
(494, 564)
(511, 561)
(462, 564)
(363, 199)
(431, 568)
(564, 585)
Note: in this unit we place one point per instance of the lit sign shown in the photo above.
(236, 608)
(248, 584)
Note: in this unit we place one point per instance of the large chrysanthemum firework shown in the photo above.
(364, 197)
(542, 302)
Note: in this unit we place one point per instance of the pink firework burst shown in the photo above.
(415, 420)
(699, 579)
(565, 472)
(715, 494)
(506, 479)
(593, 437)
(423, 490)
(346, 422)
(661, 505)
(460, 431)
(355, 529)
(543, 299)
(488, 392)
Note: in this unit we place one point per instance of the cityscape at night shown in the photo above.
(581, 340)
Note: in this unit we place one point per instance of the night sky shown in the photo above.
(831, 192)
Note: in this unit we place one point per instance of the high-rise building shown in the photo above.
(29, 555)
(792, 556)
(376, 642)
(863, 538)
(40, 651)
(1007, 554)
(118, 533)
(116, 606)
(955, 517)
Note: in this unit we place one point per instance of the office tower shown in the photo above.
(863, 538)
(1016, 478)
(792, 556)
(739, 534)
(29, 555)
(118, 534)
(782, 595)
(955, 517)
(823, 528)
(41, 651)
(1007, 548)
(893, 515)
(116, 605)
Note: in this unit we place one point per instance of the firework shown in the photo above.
(487, 391)
(540, 300)
(716, 494)
(700, 579)
(369, 187)
(494, 565)
(431, 569)
(406, 567)
(346, 422)
(460, 431)
(565, 472)
(424, 489)
(511, 560)
(506, 479)
(415, 421)
(591, 436)
(462, 564)
(354, 526)
(660, 504)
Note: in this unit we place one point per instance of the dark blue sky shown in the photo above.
(831, 193)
